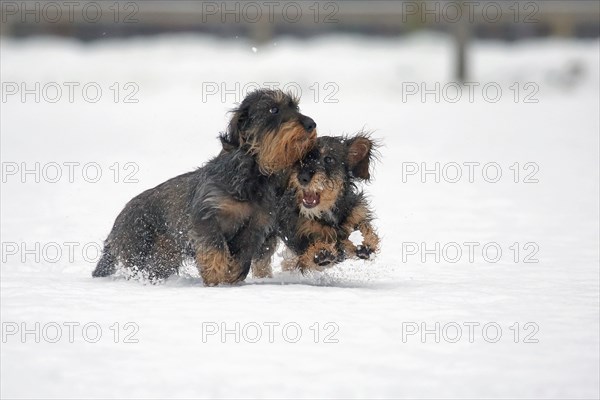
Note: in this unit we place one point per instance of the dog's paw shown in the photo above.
(363, 252)
(324, 258)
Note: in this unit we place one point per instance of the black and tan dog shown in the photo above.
(323, 206)
(220, 214)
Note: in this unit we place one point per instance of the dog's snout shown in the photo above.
(304, 177)
(308, 123)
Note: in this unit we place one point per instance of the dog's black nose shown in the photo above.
(308, 123)
(304, 177)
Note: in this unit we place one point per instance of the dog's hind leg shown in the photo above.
(261, 266)
(107, 264)
(165, 259)
(130, 242)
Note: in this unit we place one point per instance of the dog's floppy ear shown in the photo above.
(233, 138)
(360, 155)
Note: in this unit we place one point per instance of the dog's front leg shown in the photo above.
(216, 264)
(370, 243)
(318, 256)
(254, 244)
(360, 220)
(214, 259)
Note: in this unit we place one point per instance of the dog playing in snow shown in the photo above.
(322, 206)
(222, 213)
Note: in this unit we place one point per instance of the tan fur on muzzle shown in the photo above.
(282, 148)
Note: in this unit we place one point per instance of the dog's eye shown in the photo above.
(274, 110)
(329, 160)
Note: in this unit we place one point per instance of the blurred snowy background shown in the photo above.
(97, 109)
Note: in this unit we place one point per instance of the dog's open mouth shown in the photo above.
(311, 199)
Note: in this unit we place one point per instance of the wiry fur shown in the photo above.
(220, 214)
(319, 235)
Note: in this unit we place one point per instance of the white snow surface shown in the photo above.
(370, 305)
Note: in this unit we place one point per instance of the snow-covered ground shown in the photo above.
(527, 329)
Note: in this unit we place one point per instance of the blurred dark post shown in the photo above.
(461, 35)
(261, 31)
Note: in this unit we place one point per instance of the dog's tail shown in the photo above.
(107, 264)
